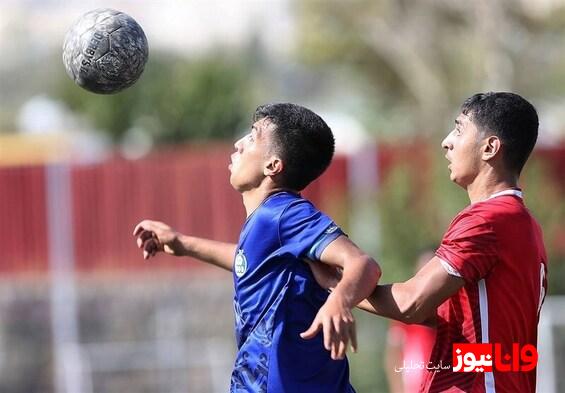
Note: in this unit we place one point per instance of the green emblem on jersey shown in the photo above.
(240, 264)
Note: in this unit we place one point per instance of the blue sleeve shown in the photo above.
(329, 235)
(305, 232)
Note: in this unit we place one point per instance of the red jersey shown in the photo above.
(496, 246)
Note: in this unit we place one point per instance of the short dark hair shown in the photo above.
(303, 140)
(510, 117)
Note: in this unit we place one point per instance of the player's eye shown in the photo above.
(250, 137)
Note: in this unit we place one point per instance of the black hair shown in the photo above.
(510, 117)
(303, 141)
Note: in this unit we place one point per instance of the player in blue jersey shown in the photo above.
(291, 334)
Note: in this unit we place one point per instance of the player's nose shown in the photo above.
(238, 145)
(446, 144)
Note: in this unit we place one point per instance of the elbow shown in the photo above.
(366, 274)
(412, 311)
(372, 269)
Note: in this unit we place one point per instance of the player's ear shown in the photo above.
(491, 147)
(273, 166)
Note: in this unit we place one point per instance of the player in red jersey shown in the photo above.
(487, 280)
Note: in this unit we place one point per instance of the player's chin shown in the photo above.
(234, 182)
(454, 176)
(461, 181)
(456, 179)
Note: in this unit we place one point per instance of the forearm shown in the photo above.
(383, 303)
(359, 278)
(216, 253)
(417, 299)
(395, 301)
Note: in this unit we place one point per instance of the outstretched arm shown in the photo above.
(412, 301)
(415, 300)
(155, 236)
(359, 278)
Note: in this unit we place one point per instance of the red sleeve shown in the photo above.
(469, 246)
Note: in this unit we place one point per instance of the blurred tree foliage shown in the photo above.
(546, 201)
(421, 58)
(174, 100)
(416, 202)
(416, 206)
(407, 226)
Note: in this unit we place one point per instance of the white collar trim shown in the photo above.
(514, 192)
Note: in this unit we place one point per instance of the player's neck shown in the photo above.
(254, 197)
(485, 186)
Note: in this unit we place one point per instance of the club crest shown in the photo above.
(240, 264)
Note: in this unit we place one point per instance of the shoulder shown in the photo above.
(489, 217)
(467, 220)
(285, 208)
(276, 204)
(501, 211)
(294, 207)
(492, 210)
(301, 221)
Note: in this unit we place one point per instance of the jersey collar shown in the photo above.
(511, 191)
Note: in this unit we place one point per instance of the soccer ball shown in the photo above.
(105, 51)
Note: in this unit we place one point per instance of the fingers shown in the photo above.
(338, 331)
(346, 333)
(328, 335)
(149, 225)
(150, 248)
(342, 332)
(353, 336)
(339, 350)
(149, 242)
(139, 228)
(144, 236)
(147, 239)
(340, 337)
(312, 330)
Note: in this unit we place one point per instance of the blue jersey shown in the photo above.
(276, 298)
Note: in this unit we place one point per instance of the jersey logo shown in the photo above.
(331, 229)
(240, 263)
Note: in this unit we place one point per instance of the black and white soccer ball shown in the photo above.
(105, 51)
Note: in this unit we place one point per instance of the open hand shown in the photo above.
(338, 325)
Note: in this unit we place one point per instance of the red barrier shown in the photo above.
(187, 188)
(23, 233)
